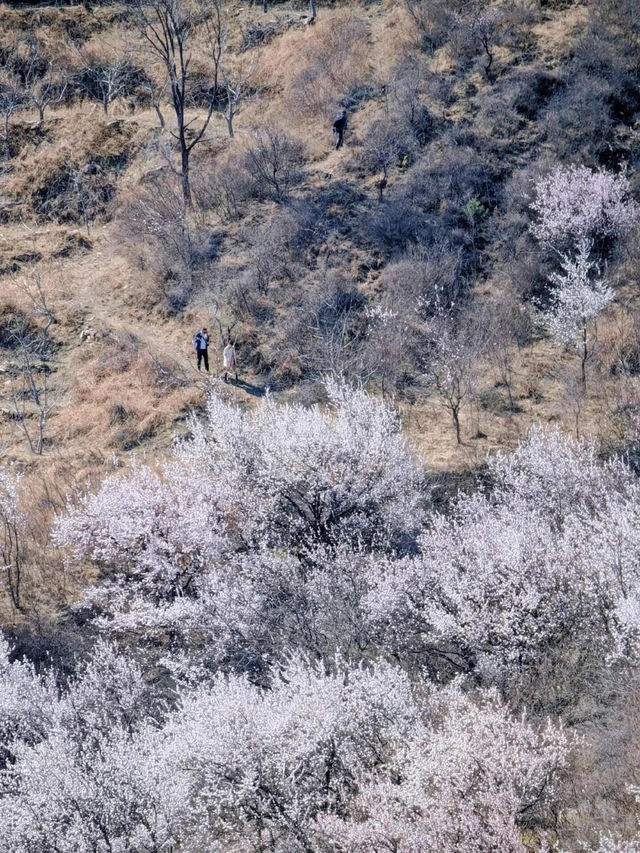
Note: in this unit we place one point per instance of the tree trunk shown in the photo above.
(186, 186)
(40, 108)
(456, 422)
(487, 67)
(7, 147)
(156, 107)
(382, 184)
(230, 123)
(510, 393)
(312, 11)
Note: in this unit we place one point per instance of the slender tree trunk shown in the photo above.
(510, 393)
(312, 11)
(186, 185)
(455, 414)
(382, 183)
(7, 147)
(230, 122)
(487, 67)
(585, 355)
(10, 555)
(156, 107)
(40, 108)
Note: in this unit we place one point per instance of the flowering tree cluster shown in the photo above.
(323, 661)
(467, 746)
(531, 585)
(580, 213)
(309, 762)
(574, 203)
(299, 483)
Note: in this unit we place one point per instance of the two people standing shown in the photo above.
(201, 346)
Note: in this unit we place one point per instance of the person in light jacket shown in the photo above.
(229, 360)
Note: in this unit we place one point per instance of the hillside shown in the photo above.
(468, 259)
(297, 280)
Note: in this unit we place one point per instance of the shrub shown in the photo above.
(386, 144)
(177, 250)
(394, 226)
(68, 193)
(578, 121)
(277, 250)
(225, 188)
(408, 85)
(334, 64)
(328, 327)
(274, 162)
(433, 19)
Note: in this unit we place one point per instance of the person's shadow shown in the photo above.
(254, 390)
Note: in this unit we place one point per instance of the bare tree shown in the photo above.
(111, 80)
(406, 87)
(11, 99)
(453, 348)
(169, 27)
(217, 40)
(40, 308)
(104, 79)
(477, 30)
(34, 388)
(31, 388)
(11, 528)
(85, 194)
(156, 92)
(506, 323)
(386, 143)
(274, 160)
(574, 400)
(329, 334)
(238, 88)
(44, 82)
(158, 214)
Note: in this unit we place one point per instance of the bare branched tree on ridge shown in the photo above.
(169, 28)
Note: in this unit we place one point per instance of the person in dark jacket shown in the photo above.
(201, 344)
(340, 127)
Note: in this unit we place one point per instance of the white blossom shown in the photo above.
(533, 573)
(574, 203)
(577, 301)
